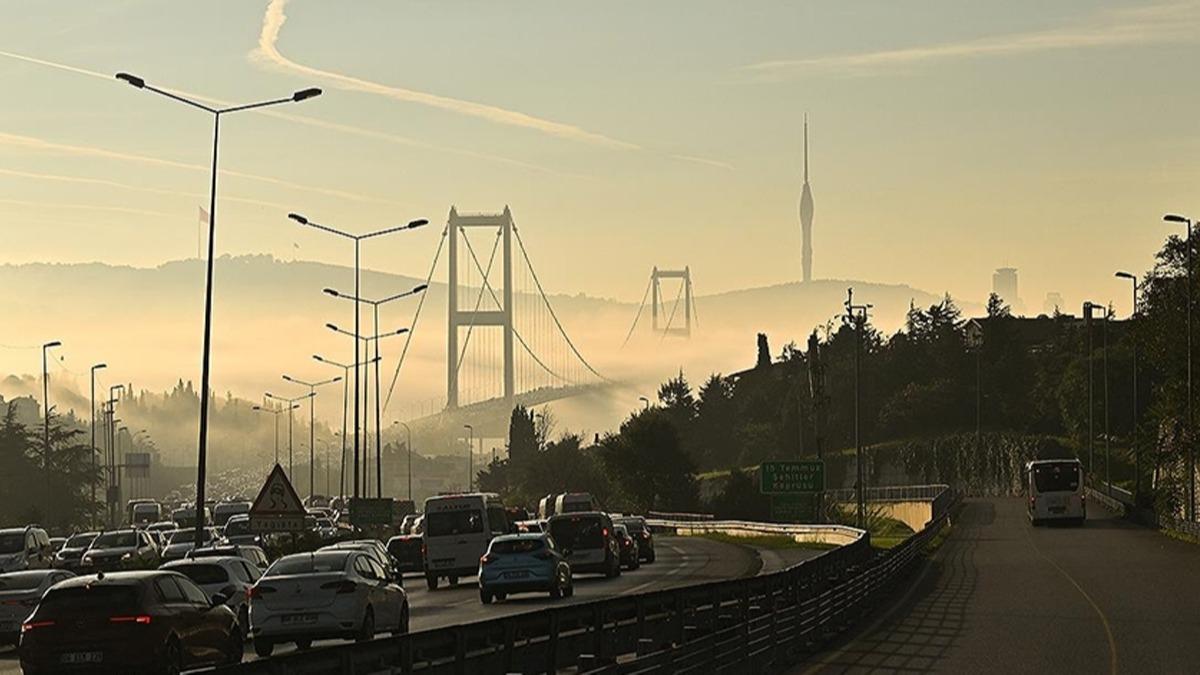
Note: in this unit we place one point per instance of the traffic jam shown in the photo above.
(273, 571)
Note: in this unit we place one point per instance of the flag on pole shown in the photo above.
(204, 218)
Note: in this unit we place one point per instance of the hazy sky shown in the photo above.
(948, 138)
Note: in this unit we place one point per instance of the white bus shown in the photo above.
(1055, 488)
(574, 502)
(458, 529)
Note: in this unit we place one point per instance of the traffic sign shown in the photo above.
(277, 507)
(791, 478)
(365, 511)
(792, 508)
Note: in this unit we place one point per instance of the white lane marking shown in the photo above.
(684, 560)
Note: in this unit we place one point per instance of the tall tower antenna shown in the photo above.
(806, 213)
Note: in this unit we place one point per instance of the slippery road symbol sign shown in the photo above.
(277, 497)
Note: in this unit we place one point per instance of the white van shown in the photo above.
(546, 506)
(574, 502)
(1055, 490)
(458, 529)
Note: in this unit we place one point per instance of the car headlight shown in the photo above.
(127, 556)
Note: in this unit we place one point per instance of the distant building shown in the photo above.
(806, 215)
(1053, 303)
(1004, 284)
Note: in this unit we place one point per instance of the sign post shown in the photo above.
(277, 508)
(787, 483)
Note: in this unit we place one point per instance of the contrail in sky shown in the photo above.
(268, 52)
(103, 182)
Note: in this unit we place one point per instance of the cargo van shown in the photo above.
(546, 506)
(458, 529)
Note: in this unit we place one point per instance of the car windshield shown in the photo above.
(115, 540)
(315, 563)
(1056, 477)
(80, 541)
(443, 523)
(634, 525)
(188, 536)
(203, 574)
(506, 546)
(77, 599)
(21, 581)
(12, 542)
(577, 532)
(237, 527)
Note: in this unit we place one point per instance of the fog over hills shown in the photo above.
(270, 316)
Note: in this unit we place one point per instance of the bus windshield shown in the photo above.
(1056, 477)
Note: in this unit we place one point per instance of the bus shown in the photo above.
(1055, 489)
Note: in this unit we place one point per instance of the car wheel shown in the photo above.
(453, 581)
(368, 627)
(431, 581)
(303, 644)
(263, 648)
(173, 659)
(485, 597)
(650, 558)
(501, 596)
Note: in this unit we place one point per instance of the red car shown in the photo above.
(144, 622)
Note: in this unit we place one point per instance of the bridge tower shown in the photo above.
(502, 317)
(685, 277)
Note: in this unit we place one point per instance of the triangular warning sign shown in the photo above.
(277, 497)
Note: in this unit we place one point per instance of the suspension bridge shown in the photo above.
(505, 345)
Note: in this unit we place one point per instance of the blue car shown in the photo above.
(518, 563)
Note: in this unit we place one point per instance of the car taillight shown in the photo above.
(344, 586)
(604, 531)
(644, 535)
(140, 618)
(489, 558)
(258, 591)
(30, 625)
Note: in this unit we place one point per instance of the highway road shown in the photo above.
(1003, 597)
(681, 561)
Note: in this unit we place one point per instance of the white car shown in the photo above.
(19, 595)
(229, 576)
(327, 594)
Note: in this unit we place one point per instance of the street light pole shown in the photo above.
(202, 447)
(1191, 441)
(291, 405)
(357, 239)
(1137, 455)
(857, 315)
(46, 411)
(312, 434)
(470, 457)
(1088, 306)
(345, 411)
(96, 367)
(275, 414)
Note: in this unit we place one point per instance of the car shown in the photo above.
(320, 512)
(229, 576)
(641, 532)
(182, 541)
(237, 531)
(586, 539)
(574, 502)
(458, 529)
(532, 526)
(255, 555)
(630, 557)
(516, 563)
(24, 548)
(151, 621)
(376, 550)
(338, 593)
(406, 525)
(69, 555)
(223, 511)
(56, 543)
(142, 512)
(119, 550)
(326, 529)
(185, 516)
(19, 594)
(162, 526)
(408, 550)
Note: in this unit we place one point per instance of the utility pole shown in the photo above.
(1133, 428)
(96, 367)
(1087, 326)
(1191, 441)
(856, 315)
(1107, 449)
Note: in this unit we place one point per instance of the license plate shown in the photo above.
(520, 574)
(299, 618)
(81, 657)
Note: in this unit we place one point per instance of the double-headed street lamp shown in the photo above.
(312, 434)
(275, 412)
(345, 404)
(202, 449)
(378, 451)
(357, 239)
(1191, 441)
(291, 405)
(375, 306)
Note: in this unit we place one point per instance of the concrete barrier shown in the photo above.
(837, 535)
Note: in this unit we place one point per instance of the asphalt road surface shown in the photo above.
(1001, 596)
(681, 561)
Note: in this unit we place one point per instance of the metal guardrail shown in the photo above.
(750, 624)
(825, 534)
(889, 493)
(1121, 502)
